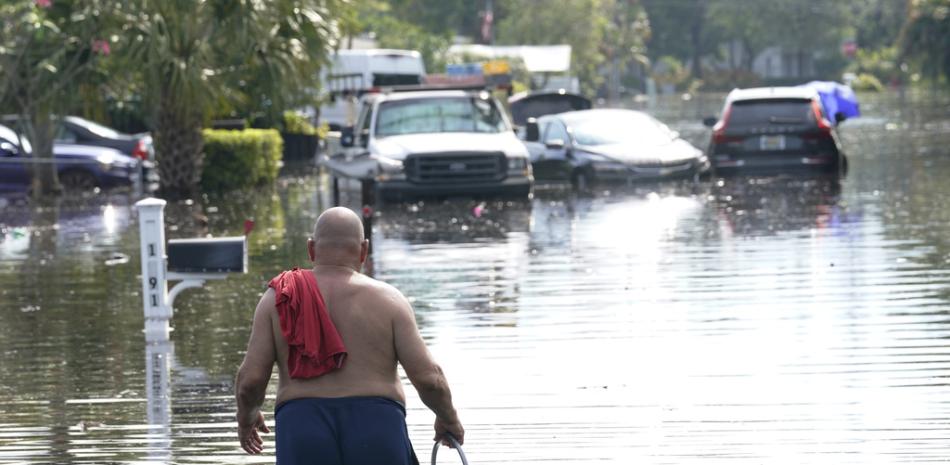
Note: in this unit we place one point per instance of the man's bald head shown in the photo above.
(338, 237)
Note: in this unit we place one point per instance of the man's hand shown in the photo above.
(455, 429)
(251, 441)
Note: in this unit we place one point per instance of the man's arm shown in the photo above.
(424, 373)
(254, 374)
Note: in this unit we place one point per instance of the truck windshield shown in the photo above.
(431, 115)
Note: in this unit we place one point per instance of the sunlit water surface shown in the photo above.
(748, 320)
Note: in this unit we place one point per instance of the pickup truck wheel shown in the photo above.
(78, 181)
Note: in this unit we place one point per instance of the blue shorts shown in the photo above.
(343, 431)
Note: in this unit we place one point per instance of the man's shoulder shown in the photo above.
(377, 285)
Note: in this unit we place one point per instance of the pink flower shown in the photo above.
(43, 3)
(100, 46)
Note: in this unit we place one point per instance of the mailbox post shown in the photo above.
(191, 262)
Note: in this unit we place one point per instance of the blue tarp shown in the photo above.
(836, 98)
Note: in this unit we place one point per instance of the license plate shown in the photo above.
(772, 142)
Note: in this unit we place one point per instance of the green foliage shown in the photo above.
(235, 58)
(45, 50)
(238, 159)
(679, 29)
(867, 82)
(925, 38)
(669, 70)
(882, 64)
(397, 28)
(877, 23)
(580, 23)
(294, 123)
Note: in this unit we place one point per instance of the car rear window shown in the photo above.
(757, 112)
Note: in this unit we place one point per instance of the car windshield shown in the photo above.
(788, 111)
(430, 115)
(96, 128)
(620, 128)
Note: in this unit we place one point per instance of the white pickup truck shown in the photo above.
(433, 143)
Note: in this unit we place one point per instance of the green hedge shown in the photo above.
(236, 159)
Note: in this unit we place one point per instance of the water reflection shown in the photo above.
(751, 206)
(472, 253)
(158, 362)
(40, 232)
(789, 320)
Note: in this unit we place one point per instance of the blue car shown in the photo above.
(80, 167)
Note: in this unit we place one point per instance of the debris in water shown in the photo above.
(478, 210)
(117, 258)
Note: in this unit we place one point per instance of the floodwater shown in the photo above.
(746, 320)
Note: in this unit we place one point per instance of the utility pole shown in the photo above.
(488, 23)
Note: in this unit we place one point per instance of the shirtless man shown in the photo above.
(354, 414)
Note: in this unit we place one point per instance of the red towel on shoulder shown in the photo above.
(315, 345)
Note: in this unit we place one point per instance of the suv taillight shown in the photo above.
(823, 123)
(140, 151)
(719, 130)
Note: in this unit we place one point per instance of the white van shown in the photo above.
(352, 73)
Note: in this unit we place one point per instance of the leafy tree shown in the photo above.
(742, 22)
(680, 29)
(580, 23)
(440, 17)
(45, 48)
(925, 37)
(392, 32)
(877, 23)
(193, 56)
(806, 26)
(625, 36)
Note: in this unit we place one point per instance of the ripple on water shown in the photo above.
(780, 320)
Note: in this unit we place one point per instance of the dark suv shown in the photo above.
(775, 129)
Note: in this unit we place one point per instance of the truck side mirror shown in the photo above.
(211, 255)
(709, 121)
(531, 130)
(347, 136)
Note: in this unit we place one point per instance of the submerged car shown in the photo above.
(79, 167)
(80, 131)
(609, 145)
(775, 129)
(438, 143)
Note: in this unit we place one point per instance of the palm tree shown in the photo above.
(196, 56)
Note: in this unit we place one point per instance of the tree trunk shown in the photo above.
(178, 147)
(40, 132)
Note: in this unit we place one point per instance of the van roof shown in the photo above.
(421, 94)
(392, 52)
(766, 93)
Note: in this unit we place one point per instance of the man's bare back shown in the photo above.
(368, 315)
(378, 328)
